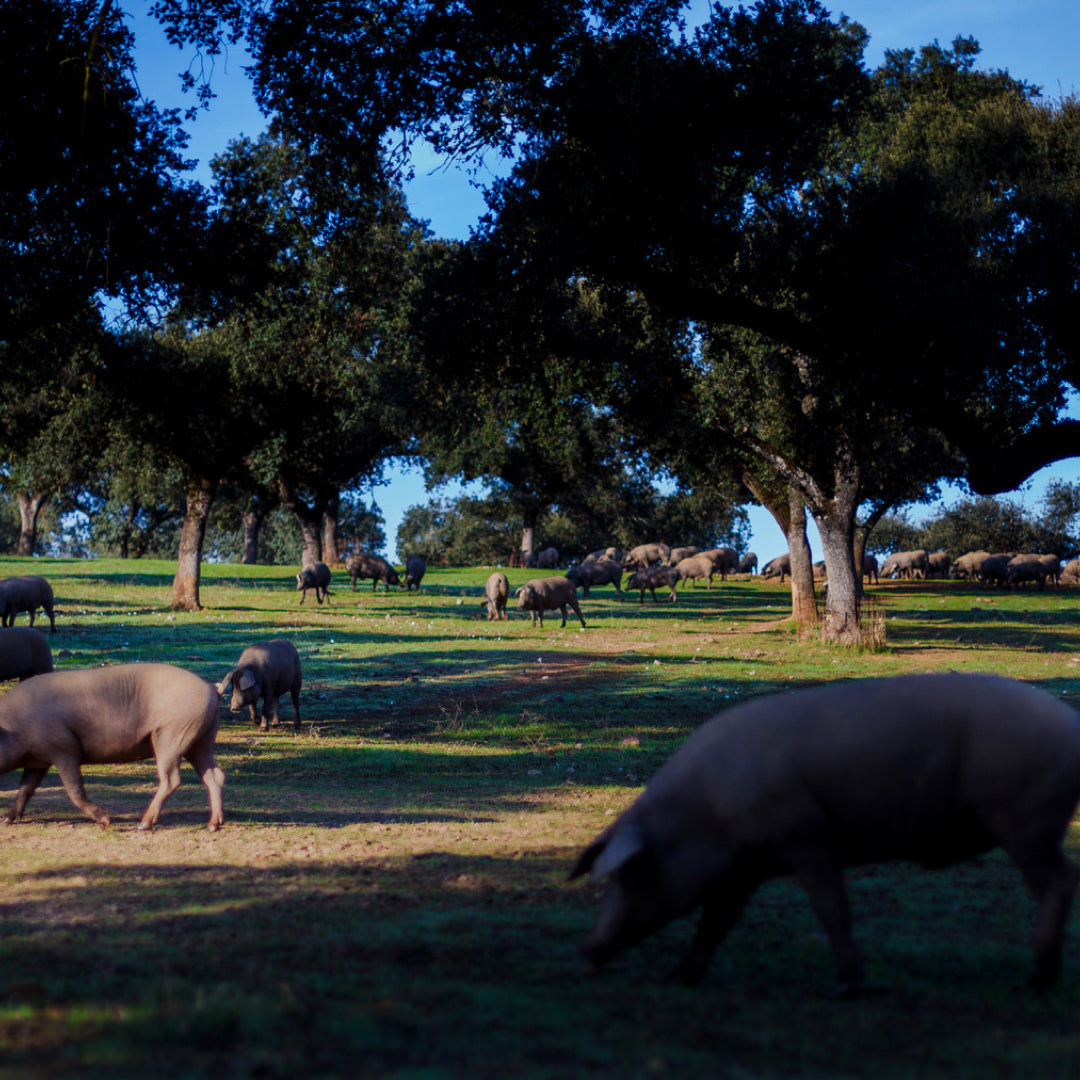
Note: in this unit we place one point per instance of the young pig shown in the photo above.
(265, 671)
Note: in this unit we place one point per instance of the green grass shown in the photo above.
(388, 897)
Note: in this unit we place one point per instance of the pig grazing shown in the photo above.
(933, 768)
(778, 567)
(748, 563)
(375, 567)
(547, 594)
(317, 577)
(497, 590)
(646, 555)
(106, 716)
(415, 569)
(652, 577)
(598, 572)
(26, 594)
(24, 652)
(693, 569)
(265, 671)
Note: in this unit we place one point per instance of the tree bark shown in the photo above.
(790, 515)
(253, 520)
(199, 496)
(310, 518)
(29, 508)
(836, 524)
(803, 601)
(528, 537)
(330, 531)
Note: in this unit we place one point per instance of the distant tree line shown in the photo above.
(472, 531)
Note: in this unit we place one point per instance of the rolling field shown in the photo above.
(388, 896)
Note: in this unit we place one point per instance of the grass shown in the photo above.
(388, 897)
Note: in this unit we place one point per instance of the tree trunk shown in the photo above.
(310, 518)
(528, 537)
(311, 550)
(330, 531)
(29, 508)
(200, 494)
(803, 602)
(836, 524)
(791, 517)
(253, 520)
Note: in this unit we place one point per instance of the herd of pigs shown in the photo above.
(934, 768)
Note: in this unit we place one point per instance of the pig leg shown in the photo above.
(718, 916)
(295, 692)
(253, 712)
(1052, 879)
(270, 705)
(27, 786)
(821, 877)
(577, 611)
(71, 778)
(201, 757)
(168, 769)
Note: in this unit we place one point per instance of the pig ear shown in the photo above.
(247, 680)
(222, 686)
(610, 850)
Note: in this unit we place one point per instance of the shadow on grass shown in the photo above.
(445, 964)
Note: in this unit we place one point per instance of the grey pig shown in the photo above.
(24, 652)
(317, 577)
(497, 589)
(652, 577)
(375, 567)
(547, 594)
(597, 572)
(26, 594)
(107, 716)
(933, 768)
(265, 671)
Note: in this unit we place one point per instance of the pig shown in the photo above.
(1053, 568)
(748, 563)
(906, 564)
(1070, 573)
(1024, 568)
(24, 652)
(366, 565)
(968, 566)
(934, 768)
(725, 560)
(26, 594)
(646, 555)
(265, 671)
(677, 554)
(778, 567)
(993, 570)
(111, 715)
(869, 567)
(548, 559)
(497, 589)
(695, 568)
(317, 577)
(598, 572)
(937, 564)
(547, 594)
(415, 569)
(652, 577)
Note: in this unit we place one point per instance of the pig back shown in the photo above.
(934, 768)
(110, 714)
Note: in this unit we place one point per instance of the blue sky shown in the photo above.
(1035, 40)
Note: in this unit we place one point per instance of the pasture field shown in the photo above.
(388, 896)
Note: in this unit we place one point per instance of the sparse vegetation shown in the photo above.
(388, 895)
